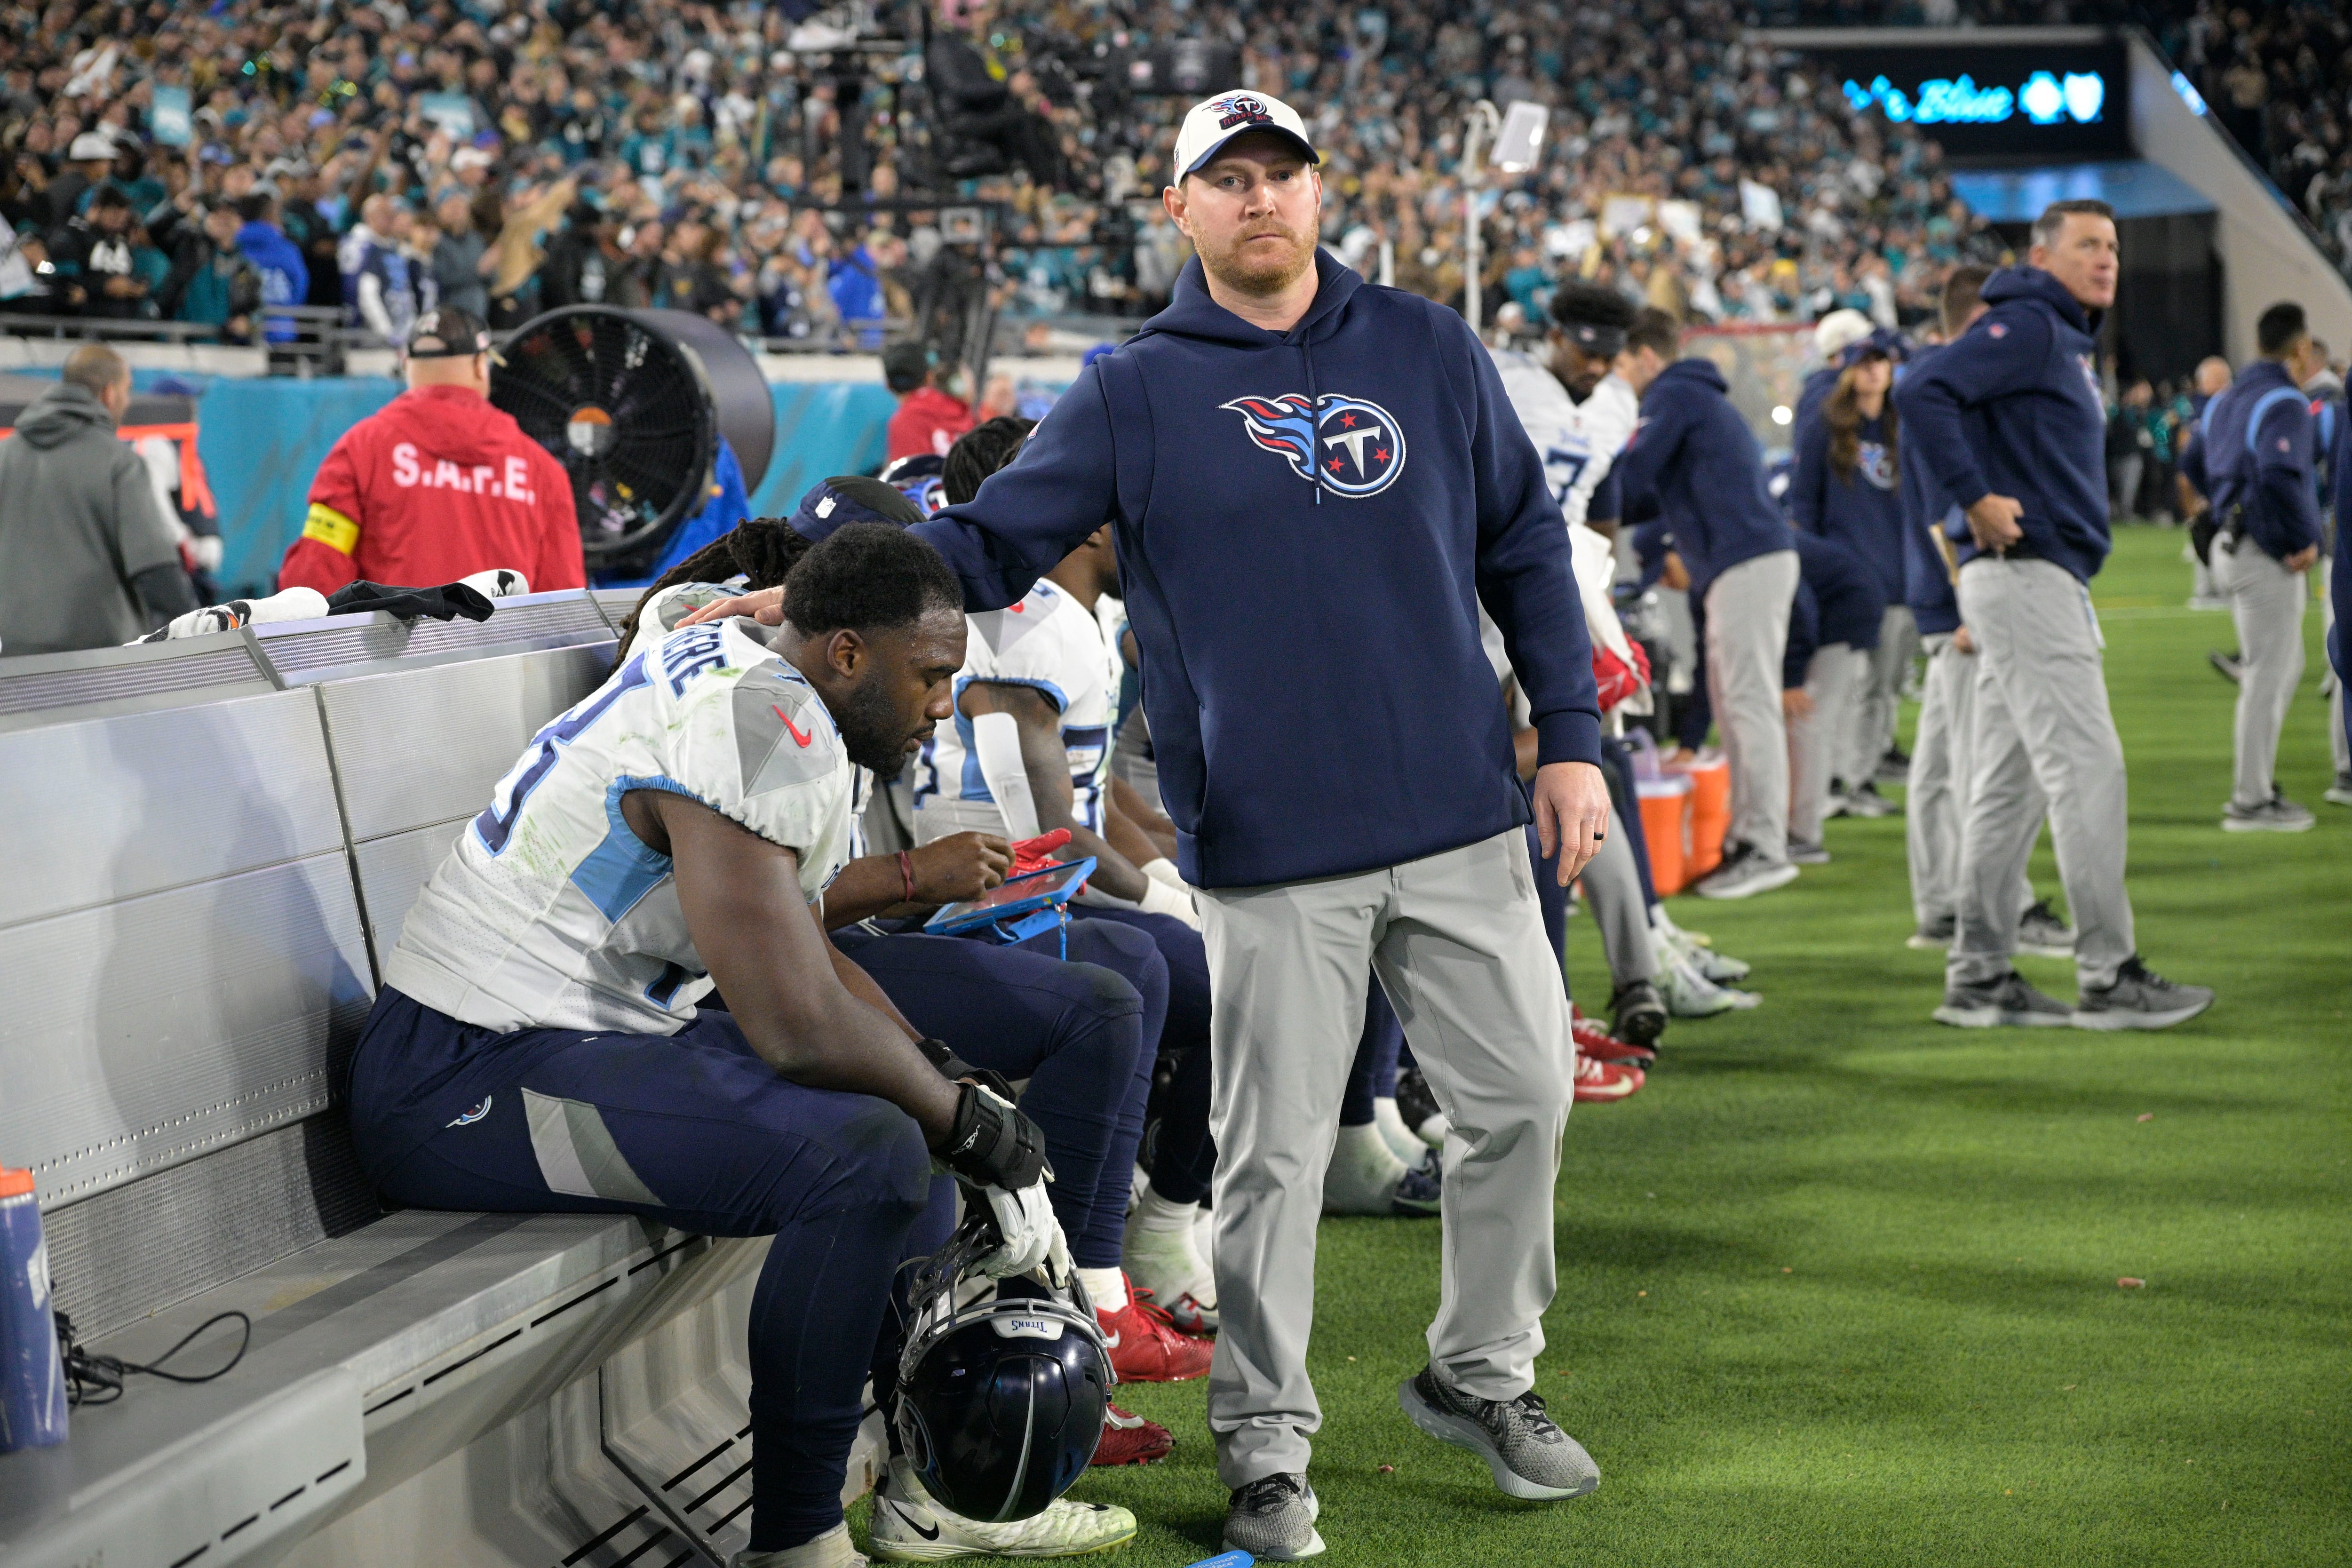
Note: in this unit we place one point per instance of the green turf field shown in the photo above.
(1839, 1285)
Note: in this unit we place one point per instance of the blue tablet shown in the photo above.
(1009, 901)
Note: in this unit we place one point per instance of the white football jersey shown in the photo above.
(1579, 442)
(550, 912)
(1050, 641)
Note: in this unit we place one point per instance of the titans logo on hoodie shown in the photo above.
(1351, 448)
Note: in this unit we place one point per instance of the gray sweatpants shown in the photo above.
(1457, 941)
(1613, 886)
(1747, 633)
(2042, 721)
(1833, 680)
(2267, 603)
(1880, 695)
(1936, 797)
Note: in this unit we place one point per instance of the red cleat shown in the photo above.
(1602, 1080)
(1146, 1345)
(1593, 1039)
(1130, 1439)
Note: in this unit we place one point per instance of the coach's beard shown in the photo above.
(1261, 272)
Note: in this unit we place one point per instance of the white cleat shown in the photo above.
(909, 1527)
(1690, 995)
(831, 1550)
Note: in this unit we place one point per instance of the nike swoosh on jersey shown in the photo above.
(800, 737)
(766, 699)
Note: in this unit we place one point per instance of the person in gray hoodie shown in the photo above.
(86, 557)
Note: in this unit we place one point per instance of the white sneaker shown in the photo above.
(1165, 1260)
(2340, 792)
(1690, 995)
(1719, 967)
(909, 1527)
(831, 1550)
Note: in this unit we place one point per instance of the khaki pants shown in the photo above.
(2267, 602)
(1457, 941)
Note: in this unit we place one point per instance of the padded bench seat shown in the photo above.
(373, 1355)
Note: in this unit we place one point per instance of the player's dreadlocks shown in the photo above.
(761, 549)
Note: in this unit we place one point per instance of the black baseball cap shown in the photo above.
(448, 332)
(850, 498)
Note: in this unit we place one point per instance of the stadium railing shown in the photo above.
(215, 843)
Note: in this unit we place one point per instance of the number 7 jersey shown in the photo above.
(551, 912)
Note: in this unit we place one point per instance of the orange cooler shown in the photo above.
(1710, 813)
(1666, 814)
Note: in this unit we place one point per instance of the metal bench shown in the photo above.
(215, 842)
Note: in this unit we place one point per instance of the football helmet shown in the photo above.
(1001, 1398)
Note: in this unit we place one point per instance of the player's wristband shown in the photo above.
(992, 1144)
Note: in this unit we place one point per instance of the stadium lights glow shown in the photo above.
(1782, 414)
(2045, 98)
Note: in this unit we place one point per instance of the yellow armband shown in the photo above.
(332, 529)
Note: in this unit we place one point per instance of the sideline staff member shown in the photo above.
(2011, 424)
(2253, 460)
(438, 485)
(1299, 464)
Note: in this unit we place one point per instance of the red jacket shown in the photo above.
(928, 421)
(434, 487)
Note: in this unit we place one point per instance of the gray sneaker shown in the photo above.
(1530, 1457)
(2276, 814)
(1273, 1520)
(2340, 792)
(2141, 999)
(2008, 1001)
(1808, 852)
(2041, 932)
(1934, 936)
(1746, 870)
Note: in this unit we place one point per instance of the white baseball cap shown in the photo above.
(1834, 331)
(1214, 122)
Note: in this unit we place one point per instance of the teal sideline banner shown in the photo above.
(263, 439)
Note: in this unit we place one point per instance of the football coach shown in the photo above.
(1315, 483)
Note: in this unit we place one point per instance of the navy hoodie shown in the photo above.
(1818, 385)
(1861, 511)
(1926, 511)
(1694, 460)
(2012, 407)
(2254, 450)
(1838, 601)
(1308, 523)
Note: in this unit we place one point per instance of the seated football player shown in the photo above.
(1080, 1033)
(539, 1043)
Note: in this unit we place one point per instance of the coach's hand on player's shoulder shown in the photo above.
(1992, 521)
(1571, 803)
(960, 866)
(765, 605)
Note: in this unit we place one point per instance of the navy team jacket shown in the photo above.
(1694, 460)
(1927, 511)
(1838, 601)
(1308, 523)
(2255, 449)
(2012, 407)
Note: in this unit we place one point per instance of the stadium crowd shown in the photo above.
(713, 158)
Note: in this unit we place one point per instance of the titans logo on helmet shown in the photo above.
(1241, 109)
(1348, 445)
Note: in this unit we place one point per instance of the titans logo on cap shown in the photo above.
(1348, 445)
(1241, 109)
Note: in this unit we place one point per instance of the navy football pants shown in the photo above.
(1080, 1032)
(695, 1130)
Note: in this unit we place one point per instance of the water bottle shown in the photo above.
(32, 1378)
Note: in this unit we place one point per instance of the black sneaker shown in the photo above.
(2008, 1001)
(1934, 936)
(1894, 767)
(1745, 872)
(1863, 800)
(1530, 1457)
(2041, 932)
(2139, 999)
(1637, 1014)
(1273, 1520)
(1414, 1101)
